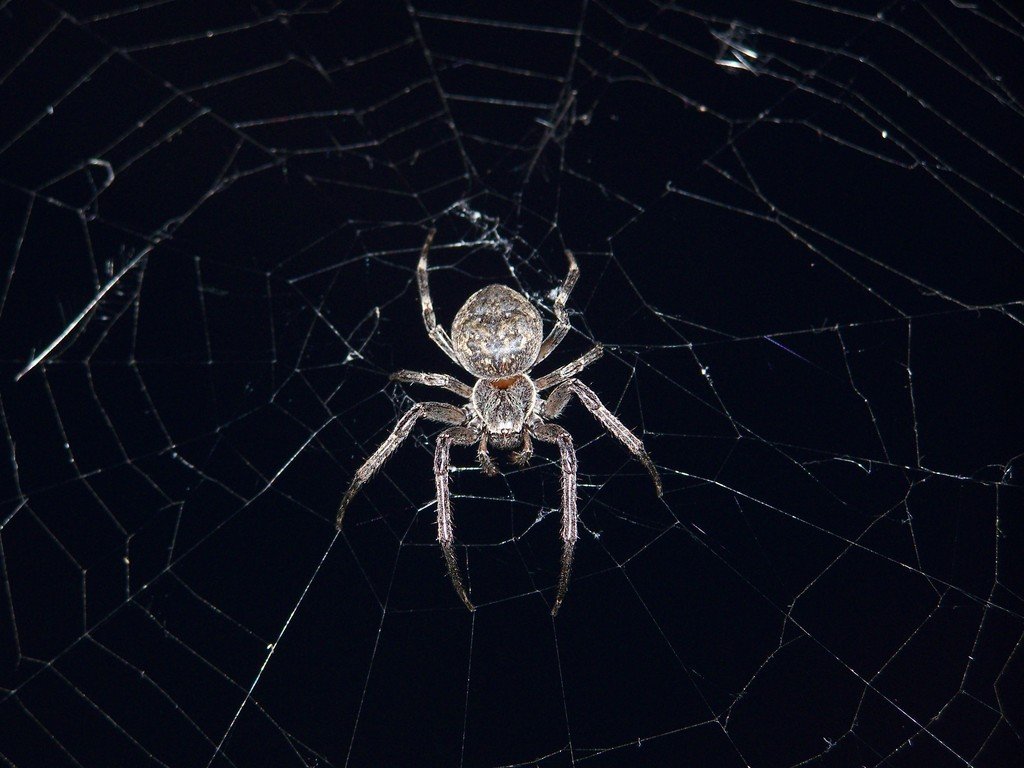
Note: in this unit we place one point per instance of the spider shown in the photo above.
(497, 336)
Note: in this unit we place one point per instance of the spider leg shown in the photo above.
(569, 370)
(484, 458)
(445, 526)
(442, 412)
(442, 380)
(561, 317)
(435, 331)
(559, 398)
(552, 433)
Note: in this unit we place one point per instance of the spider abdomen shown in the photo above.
(497, 333)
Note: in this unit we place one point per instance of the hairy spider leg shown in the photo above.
(561, 317)
(553, 433)
(442, 380)
(445, 525)
(559, 398)
(435, 331)
(442, 412)
(569, 370)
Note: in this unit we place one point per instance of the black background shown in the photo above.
(807, 275)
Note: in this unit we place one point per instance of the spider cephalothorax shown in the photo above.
(498, 337)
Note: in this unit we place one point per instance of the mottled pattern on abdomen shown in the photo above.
(497, 333)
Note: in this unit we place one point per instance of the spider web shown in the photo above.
(799, 233)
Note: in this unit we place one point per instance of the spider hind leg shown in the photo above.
(442, 412)
(559, 398)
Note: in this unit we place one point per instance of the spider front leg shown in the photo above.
(442, 412)
(559, 398)
(552, 433)
(445, 524)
